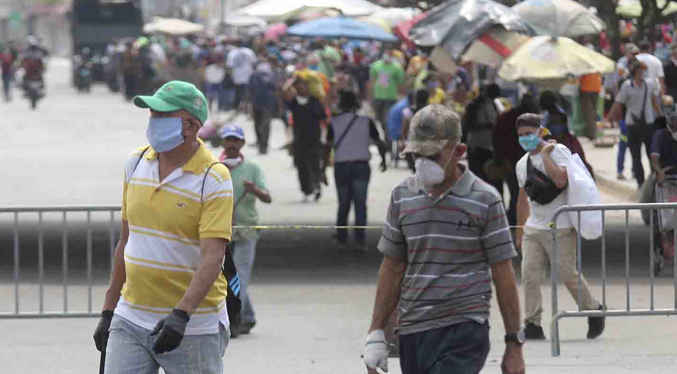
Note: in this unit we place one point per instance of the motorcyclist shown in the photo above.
(32, 60)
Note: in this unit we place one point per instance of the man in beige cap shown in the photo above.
(444, 238)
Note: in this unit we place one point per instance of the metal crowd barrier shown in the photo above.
(66, 312)
(628, 310)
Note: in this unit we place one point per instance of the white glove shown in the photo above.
(376, 351)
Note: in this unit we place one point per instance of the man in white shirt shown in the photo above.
(535, 209)
(241, 61)
(654, 66)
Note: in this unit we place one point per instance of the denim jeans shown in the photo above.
(244, 253)
(213, 93)
(352, 183)
(130, 351)
(262, 118)
(622, 146)
(460, 349)
(638, 135)
(6, 86)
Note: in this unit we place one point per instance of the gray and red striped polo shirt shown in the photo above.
(449, 242)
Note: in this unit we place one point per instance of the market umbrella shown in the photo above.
(275, 8)
(402, 29)
(491, 49)
(634, 9)
(379, 22)
(237, 19)
(275, 31)
(172, 26)
(559, 18)
(455, 24)
(546, 58)
(395, 16)
(340, 27)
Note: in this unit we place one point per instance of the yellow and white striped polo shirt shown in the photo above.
(166, 222)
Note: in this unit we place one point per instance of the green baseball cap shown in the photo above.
(176, 95)
(431, 128)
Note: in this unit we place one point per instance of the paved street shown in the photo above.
(313, 299)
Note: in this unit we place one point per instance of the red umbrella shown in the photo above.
(275, 31)
(402, 29)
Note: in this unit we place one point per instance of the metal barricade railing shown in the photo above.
(628, 310)
(65, 210)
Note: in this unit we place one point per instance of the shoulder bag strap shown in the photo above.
(343, 136)
(139, 160)
(646, 90)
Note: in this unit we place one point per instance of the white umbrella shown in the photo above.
(395, 16)
(172, 26)
(559, 18)
(274, 8)
(238, 19)
(545, 58)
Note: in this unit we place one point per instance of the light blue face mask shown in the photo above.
(165, 134)
(530, 142)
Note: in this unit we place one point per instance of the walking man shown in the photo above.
(249, 184)
(639, 96)
(444, 238)
(307, 112)
(386, 78)
(263, 90)
(6, 62)
(241, 61)
(591, 85)
(350, 136)
(535, 209)
(177, 205)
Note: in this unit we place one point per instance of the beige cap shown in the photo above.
(431, 128)
(632, 48)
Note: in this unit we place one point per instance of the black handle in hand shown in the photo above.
(102, 362)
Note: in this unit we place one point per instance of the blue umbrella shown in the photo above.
(340, 27)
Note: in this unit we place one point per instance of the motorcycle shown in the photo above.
(84, 79)
(34, 91)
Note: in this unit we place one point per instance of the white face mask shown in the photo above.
(232, 162)
(302, 100)
(429, 172)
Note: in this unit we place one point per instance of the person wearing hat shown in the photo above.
(249, 185)
(165, 303)
(546, 161)
(444, 240)
(639, 97)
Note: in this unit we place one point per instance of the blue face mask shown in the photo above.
(165, 134)
(530, 142)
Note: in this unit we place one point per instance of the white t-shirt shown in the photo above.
(654, 70)
(541, 215)
(241, 60)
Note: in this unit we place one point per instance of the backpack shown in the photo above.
(233, 301)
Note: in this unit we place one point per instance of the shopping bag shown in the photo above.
(582, 190)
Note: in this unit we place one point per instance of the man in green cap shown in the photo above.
(166, 302)
(445, 237)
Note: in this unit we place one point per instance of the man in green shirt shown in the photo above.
(249, 185)
(386, 76)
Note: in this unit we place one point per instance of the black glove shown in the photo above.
(101, 332)
(384, 166)
(170, 331)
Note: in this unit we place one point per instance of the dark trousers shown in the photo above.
(130, 86)
(381, 112)
(589, 113)
(638, 135)
(240, 96)
(476, 160)
(6, 80)
(262, 118)
(307, 162)
(514, 188)
(459, 349)
(352, 183)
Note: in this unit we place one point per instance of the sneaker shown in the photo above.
(306, 198)
(534, 332)
(620, 177)
(596, 325)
